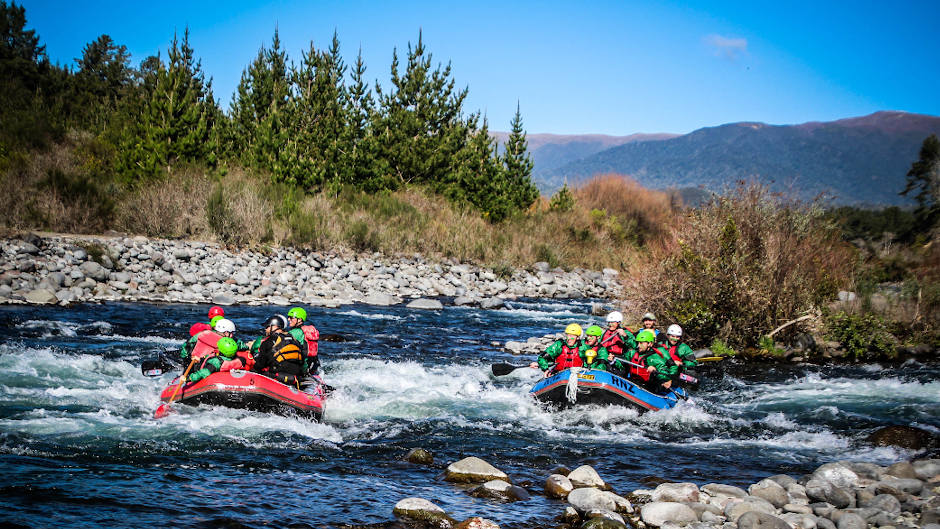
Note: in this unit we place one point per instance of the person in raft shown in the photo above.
(562, 353)
(649, 322)
(216, 361)
(204, 342)
(644, 348)
(616, 339)
(679, 351)
(601, 357)
(308, 336)
(279, 355)
(665, 363)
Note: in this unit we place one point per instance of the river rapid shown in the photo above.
(79, 446)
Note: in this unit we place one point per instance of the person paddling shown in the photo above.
(561, 354)
(665, 363)
(600, 357)
(308, 336)
(644, 347)
(279, 355)
(616, 339)
(216, 361)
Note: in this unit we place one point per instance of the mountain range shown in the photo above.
(856, 161)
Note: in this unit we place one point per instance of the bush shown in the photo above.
(862, 335)
(562, 200)
(720, 348)
(740, 266)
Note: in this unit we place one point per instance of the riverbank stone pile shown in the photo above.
(63, 269)
(841, 495)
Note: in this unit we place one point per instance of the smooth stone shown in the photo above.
(771, 491)
(926, 469)
(736, 508)
(825, 491)
(902, 469)
(379, 298)
(514, 347)
(94, 270)
(422, 510)
(825, 523)
(223, 299)
(798, 509)
(587, 498)
(797, 520)
(908, 437)
(498, 489)
(761, 520)
(463, 300)
(658, 513)
(419, 456)
(850, 520)
(424, 303)
(678, 492)
(280, 301)
(41, 295)
(910, 486)
(29, 248)
(477, 523)
(601, 521)
(473, 470)
(783, 480)
(866, 470)
(837, 474)
(883, 502)
(492, 303)
(586, 476)
(558, 486)
(717, 490)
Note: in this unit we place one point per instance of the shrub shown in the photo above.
(862, 335)
(720, 348)
(562, 200)
(740, 266)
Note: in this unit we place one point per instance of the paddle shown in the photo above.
(159, 365)
(504, 369)
(164, 409)
(710, 359)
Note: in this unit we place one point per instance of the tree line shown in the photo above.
(316, 125)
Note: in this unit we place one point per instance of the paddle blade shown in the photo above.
(152, 368)
(710, 359)
(504, 369)
(162, 411)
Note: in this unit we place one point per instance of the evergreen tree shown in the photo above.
(924, 177)
(259, 116)
(176, 116)
(518, 166)
(480, 177)
(103, 77)
(359, 163)
(420, 130)
(320, 124)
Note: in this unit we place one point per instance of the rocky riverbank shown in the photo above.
(65, 269)
(842, 495)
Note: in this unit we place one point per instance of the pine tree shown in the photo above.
(103, 78)
(518, 166)
(320, 107)
(359, 164)
(480, 177)
(924, 177)
(420, 130)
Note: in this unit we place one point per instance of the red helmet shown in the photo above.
(216, 311)
(198, 328)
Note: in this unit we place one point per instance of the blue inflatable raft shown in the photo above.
(591, 386)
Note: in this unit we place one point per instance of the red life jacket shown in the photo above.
(206, 344)
(675, 357)
(639, 371)
(312, 337)
(243, 360)
(569, 357)
(612, 341)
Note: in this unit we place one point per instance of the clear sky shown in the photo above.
(616, 67)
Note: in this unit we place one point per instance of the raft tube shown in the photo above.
(252, 391)
(601, 387)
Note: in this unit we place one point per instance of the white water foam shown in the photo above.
(357, 314)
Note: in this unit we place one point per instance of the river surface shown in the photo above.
(79, 446)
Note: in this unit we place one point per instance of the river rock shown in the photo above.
(901, 469)
(797, 520)
(491, 303)
(883, 502)
(587, 498)
(825, 491)
(223, 299)
(379, 298)
(783, 480)
(558, 486)
(419, 456)
(94, 270)
(660, 512)
(825, 523)
(500, 490)
(42, 296)
(680, 492)
(473, 470)
(910, 486)
(771, 491)
(422, 510)
(926, 469)
(837, 474)
(424, 303)
(586, 476)
(463, 300)
(718, 490)
(477, 523)
(760, 520)
(850, 520)
(602, 520)
(908, 437)
(738, 507)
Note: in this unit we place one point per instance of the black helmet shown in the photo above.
(277, 321)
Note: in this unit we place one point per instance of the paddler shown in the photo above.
(204, 342)
(617, 339)
(563, 353)
(218, 360)
(308, 336)
(591, 348)
(279, 355)
(636, 358)
(666, 363)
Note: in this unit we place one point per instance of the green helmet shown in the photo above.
(594, 330)
(227, 347)
(645, 335)
(298, 313)
(214, 320)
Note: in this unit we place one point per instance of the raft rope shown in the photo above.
(572, 390)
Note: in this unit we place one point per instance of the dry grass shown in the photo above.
(171, 207)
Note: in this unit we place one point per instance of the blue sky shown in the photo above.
(614, 67)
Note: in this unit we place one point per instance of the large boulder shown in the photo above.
(425, 303)
(473, 470)
(558, 486)
(587, 498)
(586, 476)
(94, 270)
(761, 520)
(422, 510)
(837, 474)
(680, 492)
(908, 437)
(659, 512)
(41, 295)
(771, 491)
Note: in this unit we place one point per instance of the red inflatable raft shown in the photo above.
(253, 391)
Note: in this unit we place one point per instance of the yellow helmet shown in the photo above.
(574, 329)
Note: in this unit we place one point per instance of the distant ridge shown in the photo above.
(860, 160)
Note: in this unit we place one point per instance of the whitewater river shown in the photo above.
(79, 447)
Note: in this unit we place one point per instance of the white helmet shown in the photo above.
(615, 316)
(224, 325)
(674, 330)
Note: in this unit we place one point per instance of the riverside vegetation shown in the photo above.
(309, 155)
